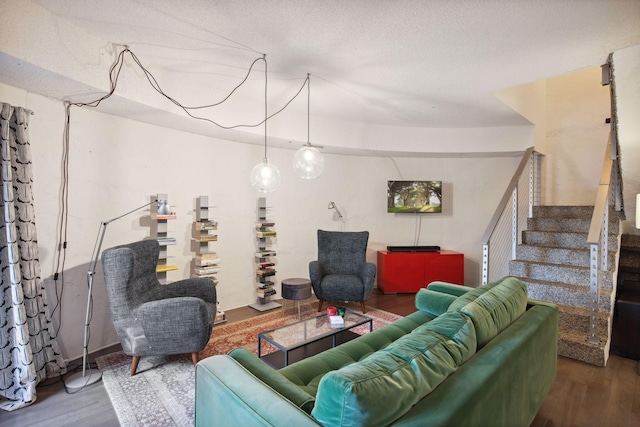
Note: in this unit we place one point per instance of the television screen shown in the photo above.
(414, 196)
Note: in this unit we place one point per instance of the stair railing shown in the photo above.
(504, 231)
(609, 191)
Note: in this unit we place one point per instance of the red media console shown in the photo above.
(408, 272)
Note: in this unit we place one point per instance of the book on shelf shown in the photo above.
(204, 262)
(265, 254)
(206, 225)
(260, 225)
(267, 264)
(206, 270)
(265, 292)
(160, 217)
(266, 285)
(165, 268)
(266, 233)
(163, 241)
(206, 237)
(263, 270)
(206, 255)
(266, 273)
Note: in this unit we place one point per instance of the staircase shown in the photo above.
(553, 261)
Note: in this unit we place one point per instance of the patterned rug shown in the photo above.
(162, 393)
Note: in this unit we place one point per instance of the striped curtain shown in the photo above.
(28, 350)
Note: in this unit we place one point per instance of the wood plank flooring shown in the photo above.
(582, 395)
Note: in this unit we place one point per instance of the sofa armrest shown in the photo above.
(449, 288)
(227, 394)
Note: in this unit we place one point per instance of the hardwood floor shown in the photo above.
(582, 395)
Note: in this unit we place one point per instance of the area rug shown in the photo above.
(162, 393)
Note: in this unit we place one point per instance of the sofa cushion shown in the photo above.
(385, 385)
(273, 379)
(496, 308)
(458, 335)
(432, 302)
(474, 293)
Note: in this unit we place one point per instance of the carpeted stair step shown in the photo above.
(556, 255)
(563, 211)
(573, 225)
(573, 344)
(553, 255)
(565, 294)
(569, 274)
(578, 318)
(563, 239)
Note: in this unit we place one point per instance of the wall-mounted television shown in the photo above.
(414, 196)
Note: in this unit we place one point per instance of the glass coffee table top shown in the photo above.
(296, 335)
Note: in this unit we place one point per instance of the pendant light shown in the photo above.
(308, 162)
(265, 177)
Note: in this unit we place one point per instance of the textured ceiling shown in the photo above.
(413, 63)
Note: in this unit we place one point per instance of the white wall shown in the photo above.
(116, 164)
(626, 66)
(577, 106)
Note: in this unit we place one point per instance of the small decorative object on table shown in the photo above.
(336, 321)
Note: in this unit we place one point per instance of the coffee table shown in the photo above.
(308, 337)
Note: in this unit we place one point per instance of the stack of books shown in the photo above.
(265, 272)
(263, 293)
(206, 264)
(206, 225)
(265, 254)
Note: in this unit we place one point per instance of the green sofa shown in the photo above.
(468, 357)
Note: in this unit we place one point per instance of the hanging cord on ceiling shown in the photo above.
(156, 86)
(114, 75)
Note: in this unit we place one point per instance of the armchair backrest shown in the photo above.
(342, 252)
(130, 275)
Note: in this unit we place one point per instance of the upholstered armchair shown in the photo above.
(341, 272)
(155, 319)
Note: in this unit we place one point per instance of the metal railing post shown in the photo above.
(485, 263)
(514, 222)
(594, 295)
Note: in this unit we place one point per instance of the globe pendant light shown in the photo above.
(308, 162)
(265, 177)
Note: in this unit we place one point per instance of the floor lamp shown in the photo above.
(79, 380)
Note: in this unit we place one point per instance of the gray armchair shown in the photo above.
(341, 272)
(155, 319)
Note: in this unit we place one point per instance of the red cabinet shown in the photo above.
(407, 272)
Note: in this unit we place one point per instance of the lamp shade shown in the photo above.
(163, 207)
(308, 162)
(265, 177)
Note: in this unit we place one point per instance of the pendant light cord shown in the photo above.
(264, 58)
(308, 106)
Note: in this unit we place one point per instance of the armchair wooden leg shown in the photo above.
(194, 357)
(362, 305)
(320, 305)
(134, 364)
